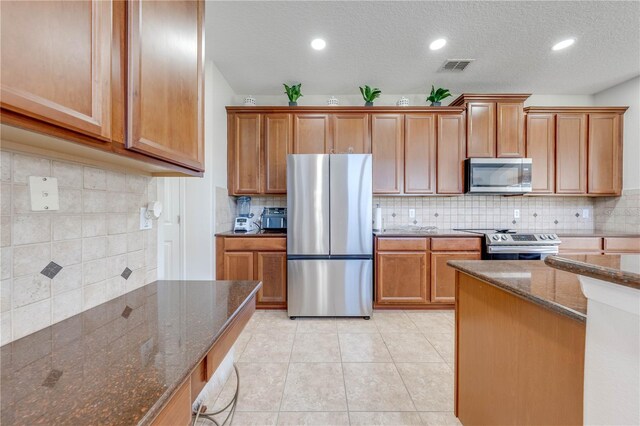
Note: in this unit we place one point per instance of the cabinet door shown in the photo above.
(245, 154)
(278, 142)
(311, 134)
(166, 97)
(481, 129)
(571, 153)
(351, 133)
(56, 63)
(451, 148)
(386, 145)
(510, 129)
(443, 277)
(541, 145)
(238, 265)
(605, 154)
(272, 271)
(402, 278)
(420, 154)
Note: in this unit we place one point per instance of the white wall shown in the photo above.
(199, 197)
(627, 94)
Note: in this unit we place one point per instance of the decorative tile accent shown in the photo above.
(51, 270)
(52, 378)
(127, 311)
(126, 273)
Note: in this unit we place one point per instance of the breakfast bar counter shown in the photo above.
(141, 358)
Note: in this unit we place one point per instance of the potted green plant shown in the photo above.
(293, 93)
(437, 96)
(369, 94)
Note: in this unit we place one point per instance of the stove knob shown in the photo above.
(543, 237)
(504, 238)
(551, 237)
(495, 237)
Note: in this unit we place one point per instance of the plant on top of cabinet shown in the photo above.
(293, 93)
(369, 94)
(437, 96)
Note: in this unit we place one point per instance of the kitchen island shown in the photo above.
(520, 343)
(141, 358)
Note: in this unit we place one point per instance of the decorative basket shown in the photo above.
(333, 101)
(403, 102)
(249, 101)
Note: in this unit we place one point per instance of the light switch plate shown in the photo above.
(585, 213)
(412, 213)
(145, 222)
(516, 213)
(44, 193)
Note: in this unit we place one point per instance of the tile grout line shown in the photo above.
(344, 382)
(286, 376)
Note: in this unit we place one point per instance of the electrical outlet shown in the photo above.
(516, 213)
(145, 222)
(412, 213)
(44, 193)
(585, 213)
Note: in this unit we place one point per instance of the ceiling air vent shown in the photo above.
(456, 65)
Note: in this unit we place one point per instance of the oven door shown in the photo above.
(498, 175)
(519, 252)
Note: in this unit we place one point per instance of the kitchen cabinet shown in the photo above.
(245, 151)
(615, 245)
(450, 154)
(443, 277)
(580, 245)
(604, 154)
(178, 409)
(351, 133)
(278, 143)
(311, 134)
(93, 75)
(402, 278)
(495, 124)
(387, 140)
(541, 145)
(571, 153)
(56, 63)
(420, 154)
(262, 258)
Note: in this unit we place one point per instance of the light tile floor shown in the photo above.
(396, 369)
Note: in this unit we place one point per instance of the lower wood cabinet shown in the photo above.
(412, 272)
(255, 258)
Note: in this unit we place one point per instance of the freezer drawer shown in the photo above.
(330, 287)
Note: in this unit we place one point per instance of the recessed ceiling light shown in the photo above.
(564, 44)
(437, 44)
(318, 44)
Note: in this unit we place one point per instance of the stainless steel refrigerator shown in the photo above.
(329, 235)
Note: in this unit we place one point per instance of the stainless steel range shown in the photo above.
(503, 244)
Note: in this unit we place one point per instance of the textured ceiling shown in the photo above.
(259, 45)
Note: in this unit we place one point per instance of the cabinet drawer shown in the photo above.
(403, 244)
(621, 245)
(255, 243)
(580, 244)
(456, 244)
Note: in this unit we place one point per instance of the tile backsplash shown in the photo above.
(55, 264)
(619, 214)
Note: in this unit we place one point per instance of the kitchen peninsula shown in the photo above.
(141, 358)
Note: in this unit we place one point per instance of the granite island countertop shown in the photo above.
(532, 280)
(623, 269)
(120, 362)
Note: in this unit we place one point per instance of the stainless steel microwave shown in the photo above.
(498, 175)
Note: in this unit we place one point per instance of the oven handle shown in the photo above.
(522, 249)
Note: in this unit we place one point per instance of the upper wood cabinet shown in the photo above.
(56, 63)
(278, 143)
(387, 139)
(311, 134)
(245, 137)
(166, 95)
(351, 133)
(495, 124)
(571, 153)
(541, 145)
(450, 156)
(605, 154)
(420, 153)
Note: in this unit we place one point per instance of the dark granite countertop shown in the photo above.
(257, 233)
(622, 269)
(532, 280)
(119, 362)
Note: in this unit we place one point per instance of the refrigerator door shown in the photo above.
(351, 205)
(308, 204)
(330, 287)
